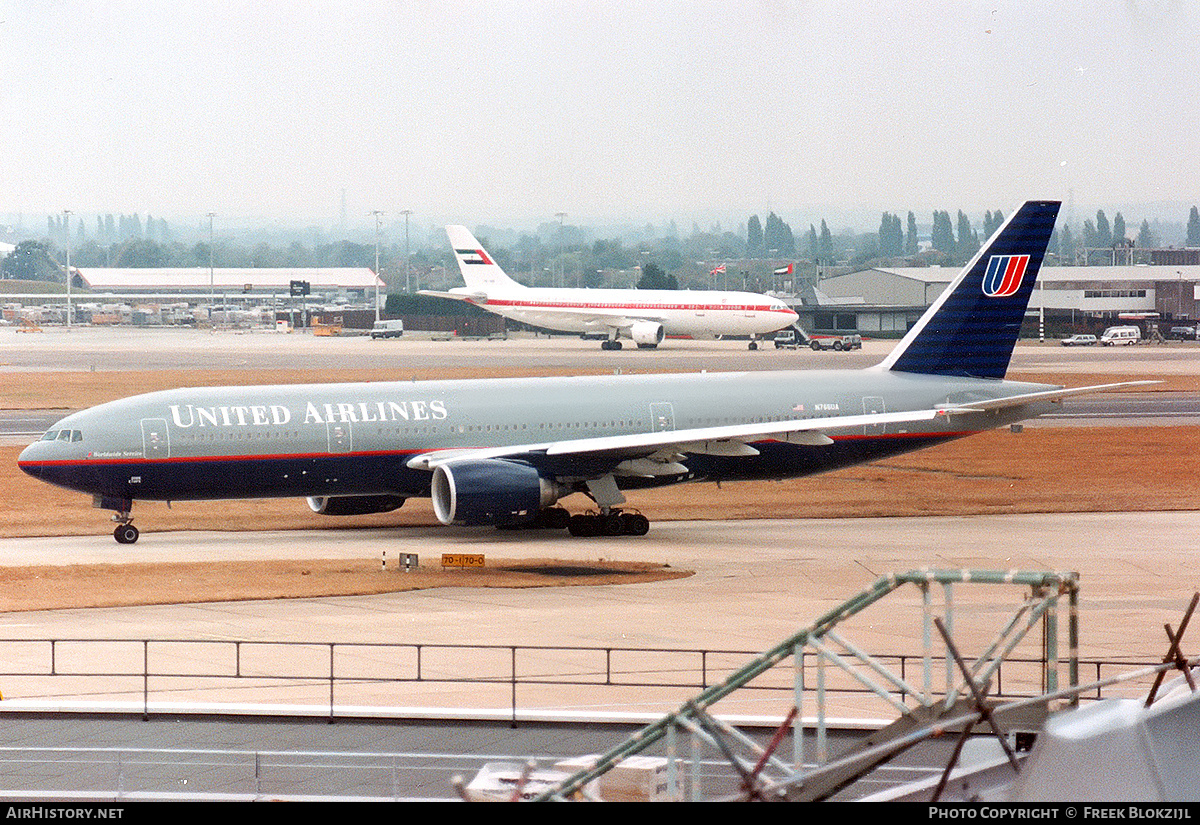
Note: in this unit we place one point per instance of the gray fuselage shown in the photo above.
(357, 439)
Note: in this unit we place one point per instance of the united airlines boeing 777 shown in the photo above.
(645, 316)
(505, 451)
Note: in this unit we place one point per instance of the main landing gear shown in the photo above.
(612, 341)
(612, 523)
(611, 520)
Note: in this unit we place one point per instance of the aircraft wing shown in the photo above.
(726, 440)
(616, 318)
(729, 440)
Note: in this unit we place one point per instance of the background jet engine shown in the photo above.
(490, 491)
(647, 334)
(353, 505)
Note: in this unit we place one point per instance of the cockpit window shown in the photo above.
(63, 435)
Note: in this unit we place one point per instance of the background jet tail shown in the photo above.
(478, 269)
(972, 327)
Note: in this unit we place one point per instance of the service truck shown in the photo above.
(794, 338)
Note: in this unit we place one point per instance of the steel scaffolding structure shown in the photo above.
(765, 774)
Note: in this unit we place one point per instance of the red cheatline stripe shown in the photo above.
(634, 307)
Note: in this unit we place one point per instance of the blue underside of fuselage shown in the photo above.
(184, 479)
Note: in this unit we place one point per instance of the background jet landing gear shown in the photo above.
(611, 523)
(611, 342)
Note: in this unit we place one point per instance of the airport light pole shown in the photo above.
(407, 265)
(67, 213)
(562, 276)
(378, 220)
(212, 291)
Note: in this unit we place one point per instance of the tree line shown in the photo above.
(557, 255)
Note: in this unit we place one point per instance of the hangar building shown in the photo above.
(889, 300)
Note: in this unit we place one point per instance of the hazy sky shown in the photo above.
(494, 112)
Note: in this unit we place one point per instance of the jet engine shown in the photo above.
(490, 491)
(354, 505)
(647, 334)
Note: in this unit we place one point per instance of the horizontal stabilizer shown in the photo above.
(469, 297)
(1031, 397)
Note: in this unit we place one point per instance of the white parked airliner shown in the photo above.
(644, 315)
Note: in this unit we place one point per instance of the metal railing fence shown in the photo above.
(155, 670)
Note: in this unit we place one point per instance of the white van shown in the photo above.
(1120, 336)
(387, 329)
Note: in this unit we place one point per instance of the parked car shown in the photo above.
(1183, 333)
(1079, 341)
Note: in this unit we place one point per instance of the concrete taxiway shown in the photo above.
(100, 349)
(754, 582)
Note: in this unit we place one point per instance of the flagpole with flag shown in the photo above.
(717, 270)
(784, 271)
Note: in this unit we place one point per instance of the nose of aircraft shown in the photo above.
(28, 458)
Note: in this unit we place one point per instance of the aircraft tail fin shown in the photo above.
(972, 327)
(478, 269)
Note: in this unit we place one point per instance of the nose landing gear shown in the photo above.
(125, 533)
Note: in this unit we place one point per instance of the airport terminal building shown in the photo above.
(199, 295)
(354, 283)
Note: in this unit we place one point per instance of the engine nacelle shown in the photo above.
(647, 333)
(354, 505)
(490, 491)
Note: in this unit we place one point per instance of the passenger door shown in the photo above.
(340, 436)
(873, 405)
(662, 417)
(156, 441)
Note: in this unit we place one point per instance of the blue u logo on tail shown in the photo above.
(1004, 275)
